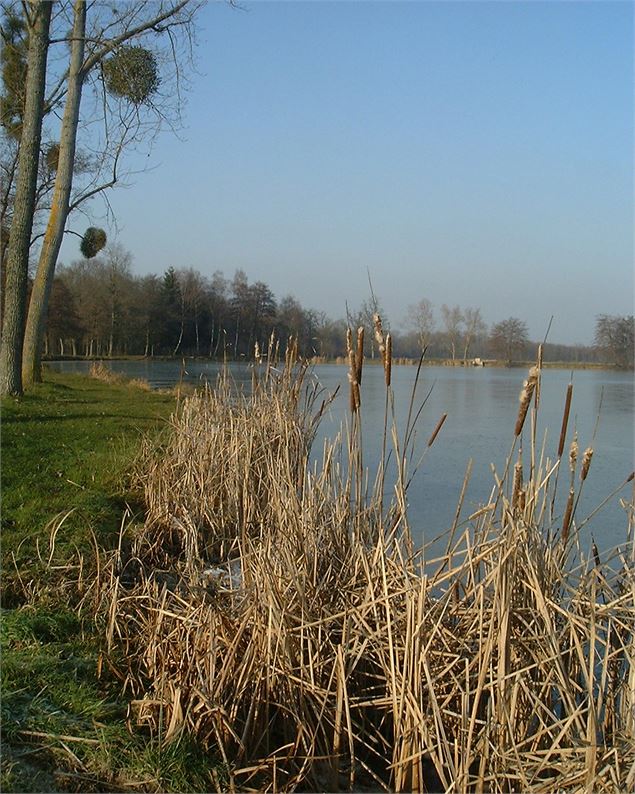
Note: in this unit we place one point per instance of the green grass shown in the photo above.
(68, 446)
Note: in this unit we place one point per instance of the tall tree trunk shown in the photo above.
(111, 337)
(221, 330)
(178, 344)
(31, 358)
(24, 203)
(211, 339)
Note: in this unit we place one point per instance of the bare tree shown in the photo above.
(452, 320)
(509, 337)
(193, 290)
(474, 326)
(120, 73)
(421, 319)
(615, 336)
(117, 270)
(39, 18)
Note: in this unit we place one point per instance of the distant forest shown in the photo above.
(98, 308)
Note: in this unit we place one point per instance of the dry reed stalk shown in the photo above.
(290, 630)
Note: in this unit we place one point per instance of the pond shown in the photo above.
(482, 405)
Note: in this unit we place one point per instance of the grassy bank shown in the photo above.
(66, 451)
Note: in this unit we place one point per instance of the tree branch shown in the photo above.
(128, 34)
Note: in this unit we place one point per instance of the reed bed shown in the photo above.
(275, 610)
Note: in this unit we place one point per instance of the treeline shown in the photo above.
(99, 308)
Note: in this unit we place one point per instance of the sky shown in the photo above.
(470, 153)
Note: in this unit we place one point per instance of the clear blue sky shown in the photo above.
(471, 153)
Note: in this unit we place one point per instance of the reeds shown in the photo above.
(252, 612)
(99, 371)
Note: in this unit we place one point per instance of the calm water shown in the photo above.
(482, 405)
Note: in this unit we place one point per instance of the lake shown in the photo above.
(482, 405)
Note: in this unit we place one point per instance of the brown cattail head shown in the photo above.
(586, 462)
(539, 367)
(566, 521)
(354, 385)
(565, 419)
(388, 360)
(518, 484)
(352, 372)
(379, 336)
(436, 430)
(359, 357)
(573, 453)
(526, 394)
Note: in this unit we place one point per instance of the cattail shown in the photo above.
(359, 358)
(631, 477)
(573, 453)
(384, 344)
(565, 419)
(566, 521)
(596, 554)
(257, 353)
(291, 353)
(518, 484)
(526, 394)
(435, 432)
(352, 372)
(388, 360)
(586, 462)
(379, 336)
(539, 366)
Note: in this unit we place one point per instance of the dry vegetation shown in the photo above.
(275, 610)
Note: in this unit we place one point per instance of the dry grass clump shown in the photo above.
(274, 613)
(99, 371)
(227, 455)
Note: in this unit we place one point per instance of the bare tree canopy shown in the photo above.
(452, 317)
(117, 72)
(615, 336)
(420, 317)
(508, 338)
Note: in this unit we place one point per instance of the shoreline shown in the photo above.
(341, 361)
